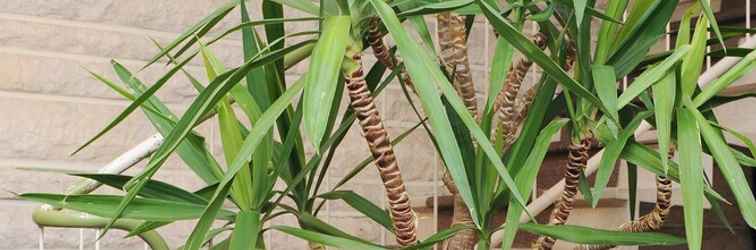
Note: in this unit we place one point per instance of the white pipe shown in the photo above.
(121, 163)
(553, 193)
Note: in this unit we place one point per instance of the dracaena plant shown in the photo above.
(491, 153)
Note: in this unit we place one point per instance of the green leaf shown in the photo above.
(426, 74)
(579, 6)
(664, 104)
(437, 237)
(729, 167)
(362, 205)
(527, 177)
(741, 137)
(691, 176)
(153, 189)
(743, 67)
(140, 208)
(612, 153)
(193, 150)
(645, 24)
(230, 133)
(607, 33)
(325, 239)
(135, 104)
(527, 48)
(256, 135)
(643, 156)
(436, 7)
(197, 30)
(306, 6)
(692, 62)
(246, 231)
(590, 236)
(706, 4)
(651, 76)
(312, 223)
(323, 75)
(606, 87)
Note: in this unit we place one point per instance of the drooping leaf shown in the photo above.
(153, 189)
(338, 242)
(251, 142)
(140, 208)
(612, 153)
(527, 177)
(590, 236)
(728, 166)
(651, 76)
(426, 73)
(527, 48)
(362, 205)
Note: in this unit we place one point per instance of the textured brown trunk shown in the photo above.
(523, 102)
(651, 221)
(505, 102)
(380, 147)
(452, 40)
(577, 159)
(384, 55)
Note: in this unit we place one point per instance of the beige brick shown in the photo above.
(78, 38)
(63, 74)
(51, 129)
(398, 110)
(172, 16)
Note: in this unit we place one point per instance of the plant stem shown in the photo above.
(577, 160)
(380, 146)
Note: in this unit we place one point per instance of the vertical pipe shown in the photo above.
(41, 240)
(748, 16)
(97, 239)
(81, 238)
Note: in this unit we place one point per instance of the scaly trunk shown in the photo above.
(452, 40)
(523, 102)
(454, 55)
(577, 159)
(505, 102)
(380, 146)
(384, 55)
(651, 221)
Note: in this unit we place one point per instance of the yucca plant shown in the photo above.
(491, 154)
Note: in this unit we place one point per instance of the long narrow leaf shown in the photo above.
(141, 208)
(590, 236)
(526, 178)
(729, 167)
(612, 154)
(256, 135)
(651, 76)
(664, 104)
(691, 176)
(323, 75)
